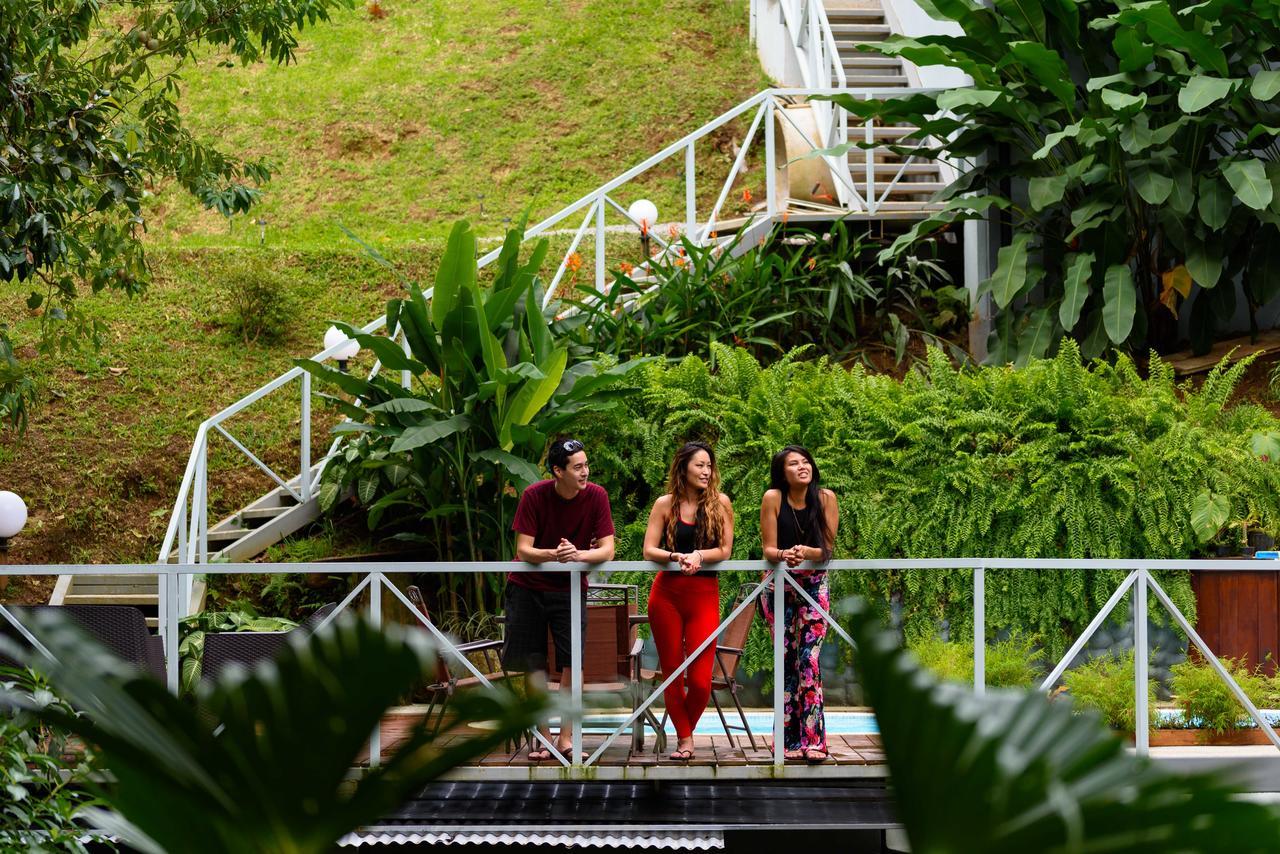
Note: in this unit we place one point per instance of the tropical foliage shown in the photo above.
(1009, 663)
(1106, 685)
(795, 287)
(261, 762)
(193, 629)
(1132, 148)
(1206, 701)
(1058, 459)
(1011, 772)
(42, 776)
(491, 382)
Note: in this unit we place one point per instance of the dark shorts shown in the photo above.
(530, 613)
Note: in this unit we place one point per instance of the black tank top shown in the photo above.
(687, 542)
(796, 529)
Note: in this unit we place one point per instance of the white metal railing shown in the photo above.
(1138, 583)
(189, 521)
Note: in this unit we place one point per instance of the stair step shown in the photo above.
(885, 80)
(860, 32)
(859, 167)
(260, 513)
(226, 535)
(862, 59)
(111, 599)
(853, 13)
(909, 186)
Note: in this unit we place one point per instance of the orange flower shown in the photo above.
(682, 262)
(673, 231)
(626, 268)
(573, 262)
(746, 195)
(680, 251)
(786, 215)
(813, 262)
(712, 235)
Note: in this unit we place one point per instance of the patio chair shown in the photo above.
(223, 650)
(445, 683)
(729, 650)
(120, 628)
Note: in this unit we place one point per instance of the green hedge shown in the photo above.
(1056, 459)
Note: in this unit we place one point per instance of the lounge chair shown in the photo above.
(120, 628)
(246, 649)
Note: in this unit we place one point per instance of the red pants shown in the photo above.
(683, 612)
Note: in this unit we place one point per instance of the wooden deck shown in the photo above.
(718, 757)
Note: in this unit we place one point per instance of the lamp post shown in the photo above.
(645, 215)
(335, 336)
(13, 517)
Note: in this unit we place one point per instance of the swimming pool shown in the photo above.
(839, 722)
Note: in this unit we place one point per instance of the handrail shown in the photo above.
(188, 523)
(1139, 582)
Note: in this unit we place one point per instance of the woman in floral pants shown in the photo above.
(798, 523)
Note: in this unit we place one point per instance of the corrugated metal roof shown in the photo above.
(673, 840)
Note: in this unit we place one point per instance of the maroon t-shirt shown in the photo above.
(545, 516)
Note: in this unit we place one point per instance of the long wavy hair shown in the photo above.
(813, 518)
(710, 520)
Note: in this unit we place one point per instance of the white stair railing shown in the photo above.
(189, 525)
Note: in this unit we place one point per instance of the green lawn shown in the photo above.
(395, 128)
(445, 109)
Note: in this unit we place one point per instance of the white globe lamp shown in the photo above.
(645, 215)
(335, 336)
(13, 517)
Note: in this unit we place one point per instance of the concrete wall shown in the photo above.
(773, 45)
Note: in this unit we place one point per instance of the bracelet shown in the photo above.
(671, 557)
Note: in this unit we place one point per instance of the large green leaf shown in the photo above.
(457, 270)
(1010, 278)
(1027, 17)
(1200, 91)
(1120, 301)
(1011, 771)
(1153, 187)
(352, 385)
(1045, 65)
(1265, 85)
(1039, 334)
(1075, 289)
(1249, 179)
(1045, 191)
(1209, 512)
(533, 395)
(1122, 102)
(426, 434)
(1163, 29)
(1215, 202)
(1204, 263)
(524, 472)
(262, 761)
(389, 353)
(1183, 195)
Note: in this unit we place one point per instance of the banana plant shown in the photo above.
(1133, 150)
(491, 381)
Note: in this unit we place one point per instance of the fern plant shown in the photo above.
(1057, 459)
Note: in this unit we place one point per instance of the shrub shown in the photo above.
(258, 302)
(1205, 699)
(1013, 662)
(1010, 663)
(947, 660)
(1106, 685)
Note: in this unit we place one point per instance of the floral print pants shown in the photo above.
(804, 726)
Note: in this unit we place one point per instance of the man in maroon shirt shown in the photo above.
(567, 520)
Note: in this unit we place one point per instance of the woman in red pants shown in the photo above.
(689, 526)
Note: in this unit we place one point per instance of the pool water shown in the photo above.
(838, 723)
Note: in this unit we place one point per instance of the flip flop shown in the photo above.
(681, 755)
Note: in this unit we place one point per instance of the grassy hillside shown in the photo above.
(394, 127)
(442, 109)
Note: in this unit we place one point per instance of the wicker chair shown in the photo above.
(246, 649)
(120, 628)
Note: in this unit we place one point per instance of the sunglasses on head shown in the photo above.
(571, 446)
